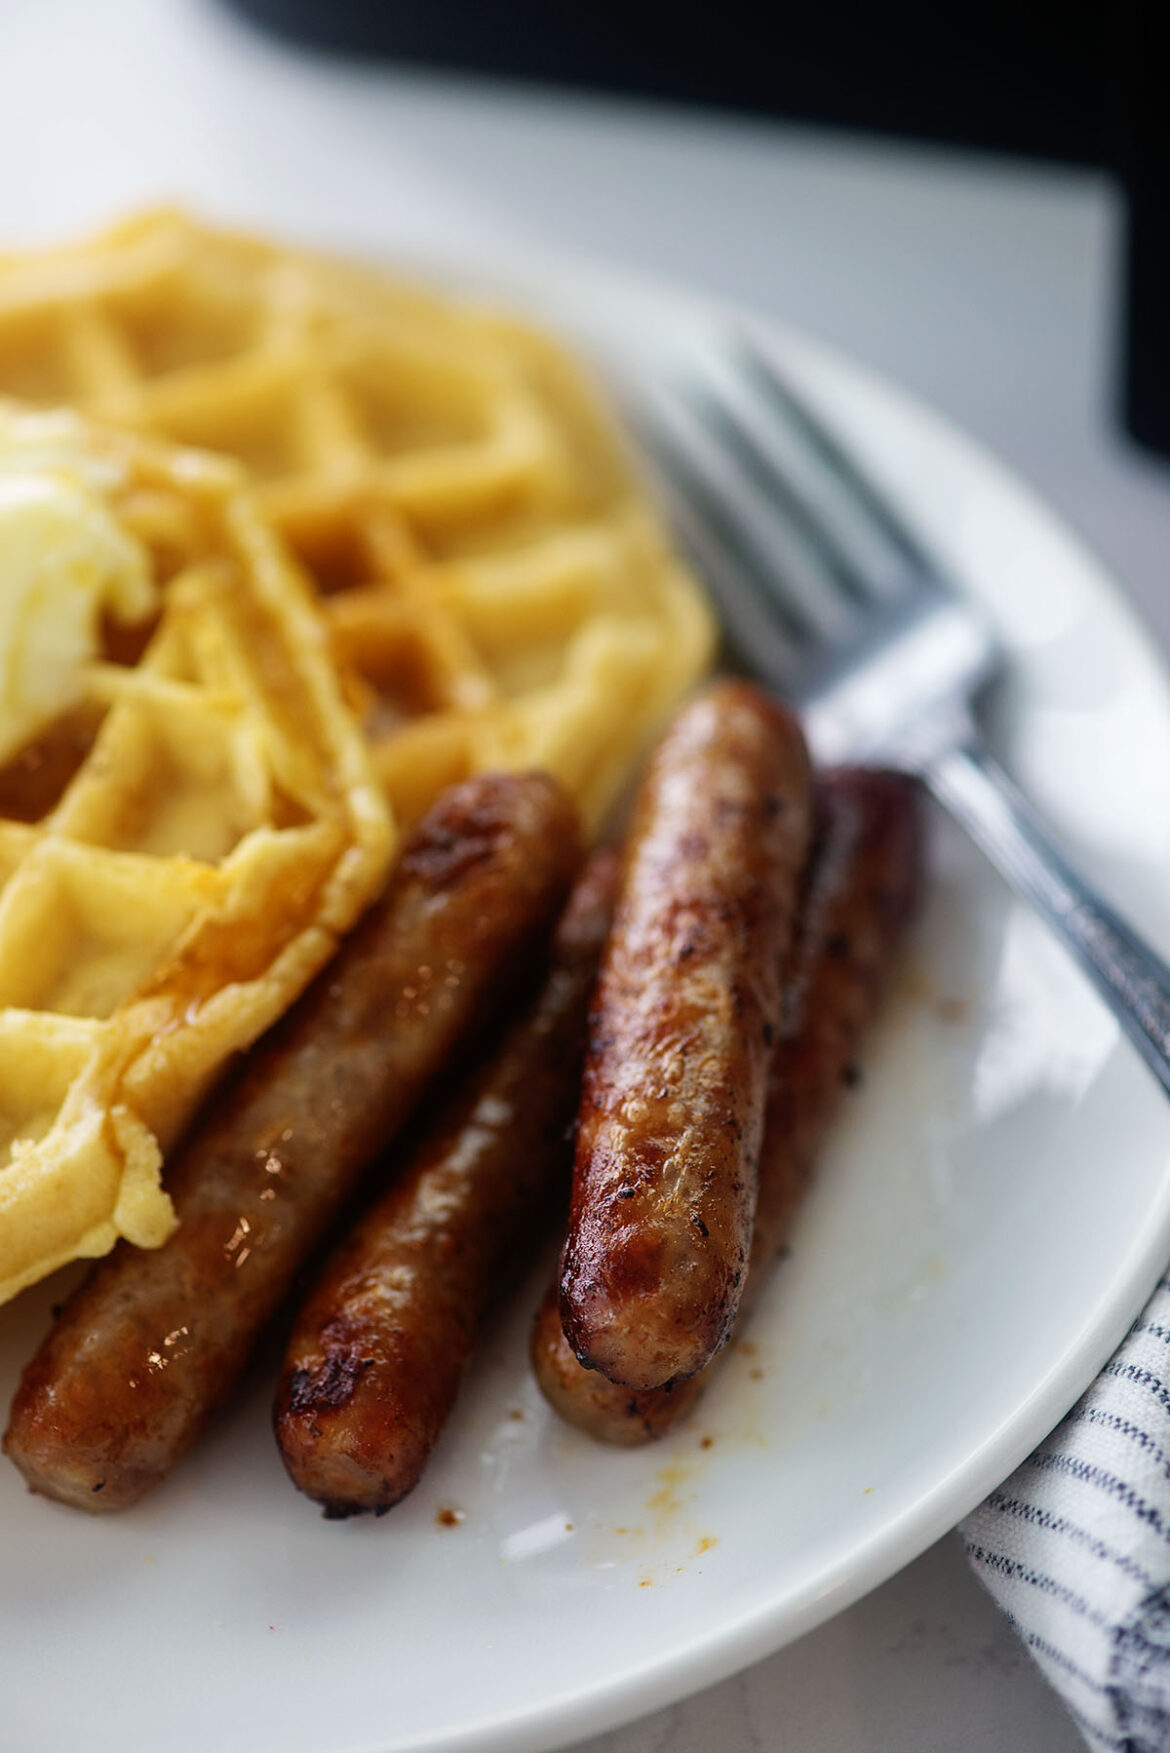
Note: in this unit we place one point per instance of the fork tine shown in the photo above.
(789, 570)
(722, 400)
(755, 619)
(739, 396)
(814, 439)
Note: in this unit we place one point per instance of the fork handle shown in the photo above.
(1133, 981)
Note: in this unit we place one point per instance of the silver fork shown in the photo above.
(831, 599)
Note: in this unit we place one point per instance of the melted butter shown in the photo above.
(64, 562)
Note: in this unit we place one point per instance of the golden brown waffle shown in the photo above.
(499, 590)
(179, 851)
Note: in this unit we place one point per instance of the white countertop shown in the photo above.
(985, 287)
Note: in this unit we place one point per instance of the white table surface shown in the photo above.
(986, 287)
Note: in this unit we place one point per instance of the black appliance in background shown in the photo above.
(1080, 81)
(1144, 114)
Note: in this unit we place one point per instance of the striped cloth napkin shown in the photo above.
(1075, 1547)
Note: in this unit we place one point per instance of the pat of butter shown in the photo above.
(64, 562)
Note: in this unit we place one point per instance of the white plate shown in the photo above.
(993, 1209)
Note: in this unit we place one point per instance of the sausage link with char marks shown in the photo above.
(378, 1351)
(144, 1351)
(863, 888)
(686, 1011)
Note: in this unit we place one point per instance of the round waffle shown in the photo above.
(500, 593)
(179, 849)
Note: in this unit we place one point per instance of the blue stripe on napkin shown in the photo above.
(1075, 1547)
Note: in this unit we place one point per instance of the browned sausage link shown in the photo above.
(862, 891)
(378, 1352)
(147, 1347)
(687, 1008)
